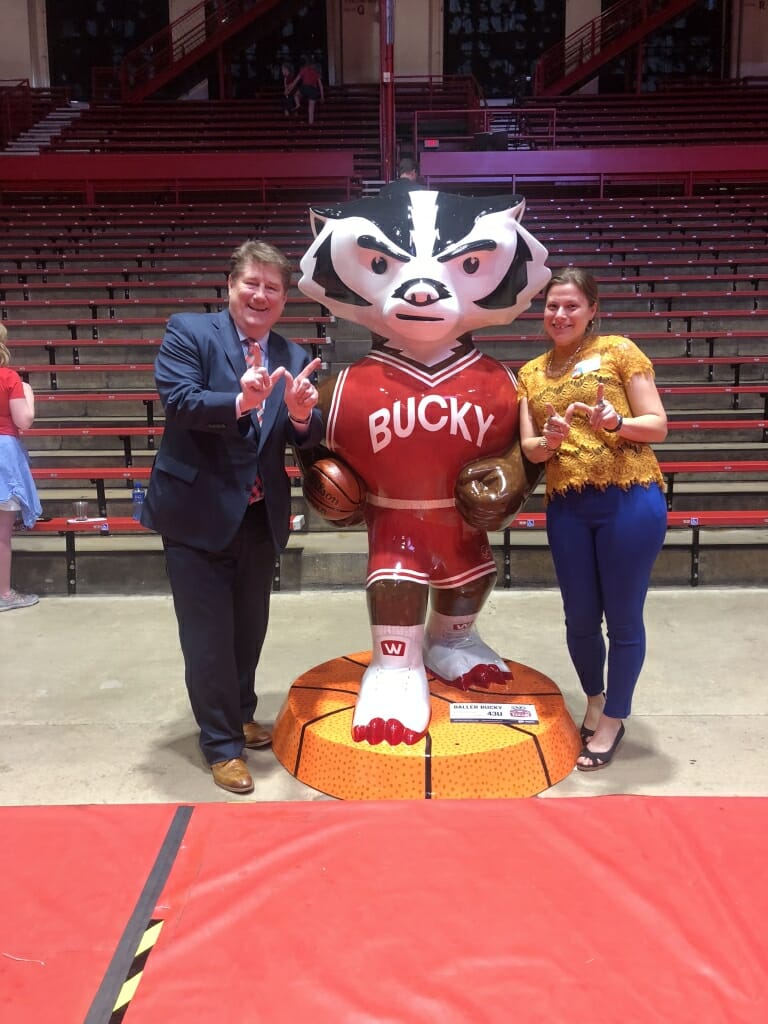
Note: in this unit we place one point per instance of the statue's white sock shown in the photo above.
(450, 630)
(452, 647)
(397, 646)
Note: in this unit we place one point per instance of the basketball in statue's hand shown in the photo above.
(335, 491)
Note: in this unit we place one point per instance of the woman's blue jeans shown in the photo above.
(603, 545)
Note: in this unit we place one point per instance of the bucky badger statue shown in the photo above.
(428, 425)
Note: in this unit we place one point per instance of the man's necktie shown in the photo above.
(254, 359)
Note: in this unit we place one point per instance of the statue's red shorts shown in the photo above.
(431, 546)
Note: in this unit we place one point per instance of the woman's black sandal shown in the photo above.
(600, 759)
(584, 732)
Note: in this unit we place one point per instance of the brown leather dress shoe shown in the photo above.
(232, 775)
(256, 735)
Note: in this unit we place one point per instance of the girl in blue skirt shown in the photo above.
(18, 494)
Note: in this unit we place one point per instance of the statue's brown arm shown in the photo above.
(490, 491)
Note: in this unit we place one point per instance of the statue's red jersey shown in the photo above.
(423, 426)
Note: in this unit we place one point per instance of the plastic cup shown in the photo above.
(80, 509)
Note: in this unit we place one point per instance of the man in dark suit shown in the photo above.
(406, 181)
(235, 393)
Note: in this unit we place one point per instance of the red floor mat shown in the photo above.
(616, 908)
(70, 878)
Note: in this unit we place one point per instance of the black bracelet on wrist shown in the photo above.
(617, 428)
(300, 423)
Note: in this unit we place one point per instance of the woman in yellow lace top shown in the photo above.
(589, 410)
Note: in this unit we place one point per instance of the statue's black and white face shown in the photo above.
(422, 269)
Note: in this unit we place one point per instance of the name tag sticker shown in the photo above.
(586, 366)
(522, 714)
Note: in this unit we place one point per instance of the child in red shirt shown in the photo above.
(310, 87)
(18, 493)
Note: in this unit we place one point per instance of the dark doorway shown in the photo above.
(84, 34)
(499, 42)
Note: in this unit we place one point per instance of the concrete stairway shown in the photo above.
(38, 138)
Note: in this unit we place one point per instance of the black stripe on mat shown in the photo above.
(117, 972)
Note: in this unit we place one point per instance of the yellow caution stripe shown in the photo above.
(128, 989)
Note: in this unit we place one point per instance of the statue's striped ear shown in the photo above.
(318, 219)
(495, 204)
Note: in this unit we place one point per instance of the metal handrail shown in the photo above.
(431, 88)
(176, 41)
(591, 38)
(473, 92)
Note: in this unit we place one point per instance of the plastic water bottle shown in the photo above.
(137, 499)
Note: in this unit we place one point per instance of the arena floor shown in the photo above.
(133, 888)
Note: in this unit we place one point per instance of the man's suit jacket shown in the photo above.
(208, 459)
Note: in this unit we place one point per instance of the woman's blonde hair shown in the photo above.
(5, 355)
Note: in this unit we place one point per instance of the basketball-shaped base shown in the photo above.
(312, 739)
